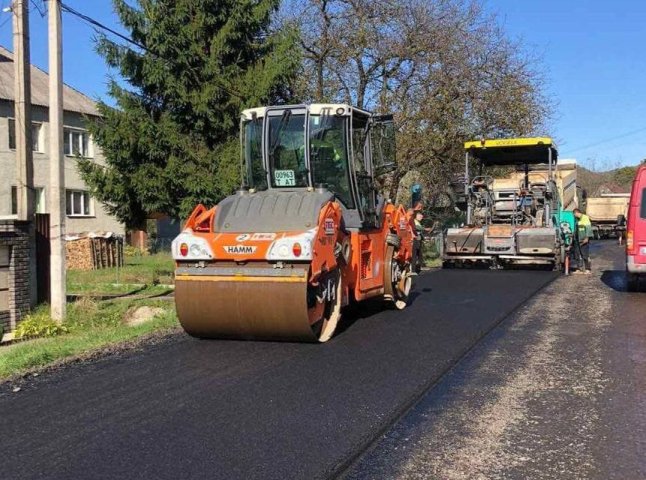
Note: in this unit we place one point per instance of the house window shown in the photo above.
(79, 204)
(14, 200)
(12, 134)
(76, 142)
(36, 142)
(39, 200)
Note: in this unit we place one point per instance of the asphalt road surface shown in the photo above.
(190, 408)
(557, 391)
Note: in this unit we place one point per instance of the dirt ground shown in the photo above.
(557, 391)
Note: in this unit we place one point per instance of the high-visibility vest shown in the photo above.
(419, 228)
(584, 227)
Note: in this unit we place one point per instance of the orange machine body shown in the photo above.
(362, 272)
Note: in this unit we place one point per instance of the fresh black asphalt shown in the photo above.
(189, 408)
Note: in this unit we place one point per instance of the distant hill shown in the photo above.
(618, 180)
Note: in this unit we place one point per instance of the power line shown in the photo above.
(601, 142)
(96, 24)
(41, 11)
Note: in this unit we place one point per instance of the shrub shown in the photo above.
(130, 251)
(39, 324)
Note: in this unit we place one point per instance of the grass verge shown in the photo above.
(92, 327)
(140, 269)
(116, 289)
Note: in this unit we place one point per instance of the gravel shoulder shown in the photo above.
(557, 391)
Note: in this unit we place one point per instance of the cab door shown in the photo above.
(383, 147)
(362, 170)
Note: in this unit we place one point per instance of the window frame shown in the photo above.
(36, 129)
(68, 140)
(11, 133)
(36, 135)
(39, 200)
(250, 164)
(86, 200)
(346, 198)
(283, 130)
(14, 200)
(642, 207)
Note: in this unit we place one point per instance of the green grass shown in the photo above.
(91, 326)
(149, 270)
(116, 289)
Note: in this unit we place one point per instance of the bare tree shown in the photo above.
(443, 67)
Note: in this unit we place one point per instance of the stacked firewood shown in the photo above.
(93, 251)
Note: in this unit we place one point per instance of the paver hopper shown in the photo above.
(309, 233)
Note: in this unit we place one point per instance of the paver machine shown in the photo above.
(514, 219)
(306, 235)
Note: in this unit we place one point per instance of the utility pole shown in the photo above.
(57, 170)
(22, 111)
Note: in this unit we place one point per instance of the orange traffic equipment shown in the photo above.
(307, 234)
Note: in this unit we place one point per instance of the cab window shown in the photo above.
(360, 148)
(382, 138)
(286, 150)
(329, 156)
(252, 154)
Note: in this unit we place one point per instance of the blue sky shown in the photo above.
(592, 53)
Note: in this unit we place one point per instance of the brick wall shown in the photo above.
(16, 235)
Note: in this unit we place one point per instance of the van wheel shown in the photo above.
(632, 282)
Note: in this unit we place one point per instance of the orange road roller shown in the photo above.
(307, 234)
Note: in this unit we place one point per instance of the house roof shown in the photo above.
(73, 100)
(609, 187)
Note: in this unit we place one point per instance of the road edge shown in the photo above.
(341, 470)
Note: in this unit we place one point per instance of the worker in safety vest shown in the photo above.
(420, 234)
(328, 162)
(582, 240)
(417, 241)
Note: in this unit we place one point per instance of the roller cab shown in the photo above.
(306, 235)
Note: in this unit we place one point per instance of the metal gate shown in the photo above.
(42, 257)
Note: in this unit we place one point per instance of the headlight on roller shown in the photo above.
(187, 246)
(296, 247)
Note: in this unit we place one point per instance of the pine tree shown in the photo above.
(172, 139)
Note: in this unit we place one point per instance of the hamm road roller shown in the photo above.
(307, 234)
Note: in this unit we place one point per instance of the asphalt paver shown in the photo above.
(189, 408)
(557, 391)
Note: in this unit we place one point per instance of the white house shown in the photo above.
(84, 213)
